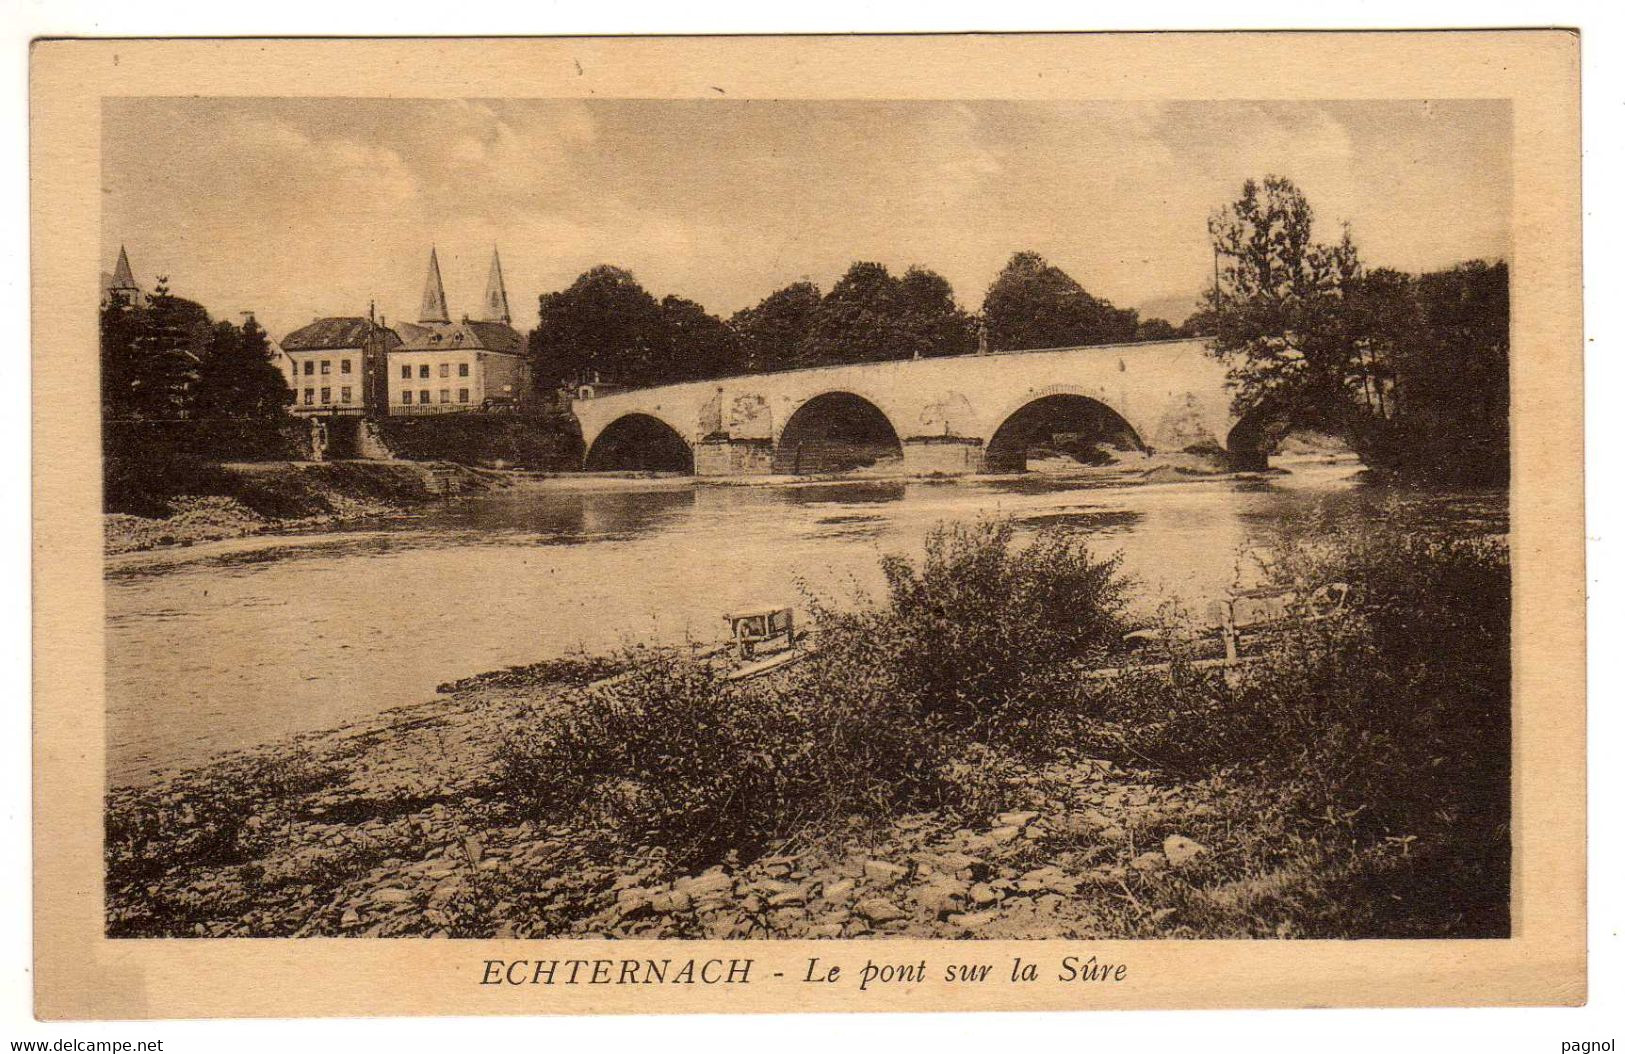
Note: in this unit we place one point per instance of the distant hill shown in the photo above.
(1176, 309)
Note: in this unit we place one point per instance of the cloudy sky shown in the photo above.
(302, 208)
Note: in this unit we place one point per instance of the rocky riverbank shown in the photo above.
(396, 826)
(289, 496)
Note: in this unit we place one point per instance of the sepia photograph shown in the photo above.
(730, 520)
(735, 518)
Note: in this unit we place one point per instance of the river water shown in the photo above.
(220, 647)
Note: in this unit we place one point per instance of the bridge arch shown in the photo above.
(1059, 418)
(639, 442)
(1252, 439)
(835, 431)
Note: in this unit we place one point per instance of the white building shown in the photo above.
(443, 366)
(337, 366)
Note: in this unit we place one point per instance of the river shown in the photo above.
(225, 646)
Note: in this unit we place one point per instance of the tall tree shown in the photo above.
(869, 315)
(699, 345)
(237, 378)
(1033, 304)
(772, 334)
(151, 354)
(931, 320)
(857, 321)
(1155, 329)
(1446, 380)
(605, 326)
(1280, 318)
(1412, 370)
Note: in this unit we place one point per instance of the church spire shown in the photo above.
(496, 294)
(434, 294)
(122, 278)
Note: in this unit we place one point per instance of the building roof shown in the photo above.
(410, 331)
(467, 334)
(334, 333)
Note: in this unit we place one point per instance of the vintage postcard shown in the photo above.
(653, 525)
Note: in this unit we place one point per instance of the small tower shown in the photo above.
(122, 285)
(434, 294)
(496, 294)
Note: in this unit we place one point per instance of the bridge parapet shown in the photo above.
(943, 413)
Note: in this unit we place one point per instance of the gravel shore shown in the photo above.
(395, 826)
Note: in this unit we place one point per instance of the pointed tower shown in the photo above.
(122, 278)
(434, 294)
(120, 285)
(496, 294)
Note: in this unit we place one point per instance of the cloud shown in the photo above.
(304, 207)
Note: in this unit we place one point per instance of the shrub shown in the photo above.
(1387, 727)
(536, 441)
(889, 715)
(207, 823)
(676, 757)
(982, 630)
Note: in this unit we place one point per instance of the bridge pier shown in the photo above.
(733, 456)
(942, 455)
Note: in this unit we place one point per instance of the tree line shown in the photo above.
(606, 326)
(1411, 369)
(165, 359)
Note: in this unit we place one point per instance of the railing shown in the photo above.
(403, 410)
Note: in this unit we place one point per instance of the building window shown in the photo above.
(344, 395)
(327, 366)
(423, 371)
(310, 367)
(423, 396)
(462, 395)
(310, 394)
(344, 365)
(445, 395)
(327, 396)
(462, 369)
(406, 397)
(406, 373)
(445, 369)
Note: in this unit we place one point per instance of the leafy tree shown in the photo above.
(857, 321)
(870, 316)
(1032, 304)
(1445, 378)
(931, 321)
(1202, 323)
(605, 325)
(699, 345)
(1280, 318)
(1155, 329)
(1412, 370)
(151, 354)
(772, 334)
(121, 329)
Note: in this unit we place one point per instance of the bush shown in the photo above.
(207, 823)
(982, 631)
(891, 714)
(1383, 735)
(676, 757)
(146, 463)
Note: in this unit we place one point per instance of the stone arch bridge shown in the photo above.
(953, 415)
